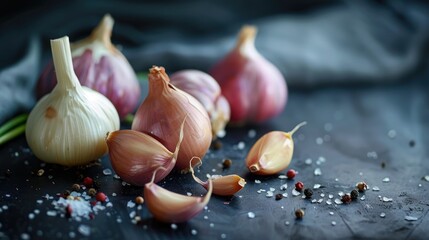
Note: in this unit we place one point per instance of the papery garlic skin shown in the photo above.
(207, 91)
(170, 207)
(254, 87)
(101, 67)
(68, 125)
(162, 112)
(272, 152)
(135, 156)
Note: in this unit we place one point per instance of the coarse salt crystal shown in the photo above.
(194, 232)
(283, 187)
(251, 215)
(363, 198)
(241, 145)
(333, 223)
(269, 194)
(295, 193)
(317, 172)
(386, 199)
(386, 179)
(329, 201)
(382, 215)
(320, 200)
(308, 161)
(313, 200)
(331, 213)
(316, 186)
(107, 172)
(330, 196)
(338, 201)
(282, 177)
(251, 133)
(51, 213)
(391, 133)
(257, 181)
(31, 216)
(410, 218)
(426, 178)
(131, 204)
(173, 226)
(319, 140)
(84, 230)
(375, 189)
(284, 195)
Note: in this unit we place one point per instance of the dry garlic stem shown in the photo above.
(170, 207)
(222, 185)
(68, 125)
(272, 153)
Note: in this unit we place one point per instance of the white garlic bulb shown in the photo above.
(68, 126)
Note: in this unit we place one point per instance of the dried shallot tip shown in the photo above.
(308, 192)
(354, 194)
(226, 163)
(88, 182)
(76, 187)
(216, 144)
(291, 173)
(279, 196)
(101, 197)
(299, 213)
(40, 172)
(92, 192)
(139, 200)
(426, 178)
(346, 198)
(361, 186)
(299, 186)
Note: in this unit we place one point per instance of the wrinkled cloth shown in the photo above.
(326, 42)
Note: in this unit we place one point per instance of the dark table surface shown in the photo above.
(354, 133)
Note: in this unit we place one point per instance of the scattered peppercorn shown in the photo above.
(101, 197)
(226, 163)
(217, 144)
(361, 186)
(308, 192)
(291, 173)
(92, 192)
(383, 164)
(66, 193)
(139, 200)
(88, 182)
(69, 211)
(354, 194)
(299, 213)
(279, 196)
(412, 143)
(346, 198)
(40, 172)
(75, 187)
(299, 186)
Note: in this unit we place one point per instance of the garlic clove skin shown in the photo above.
(135, 156)
(207, 91)
(272, 153)
(162, 112)
(254, 87)
(68, 125)
(170, 207)
(101, 67)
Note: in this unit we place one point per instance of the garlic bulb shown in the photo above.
(170, 207)
(102, 67)
(272, 153)
(254, 87)
(68, 125)
(135, 156)
(162, 112)
(206, 90)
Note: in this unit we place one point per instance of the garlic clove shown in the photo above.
(100, 66)
(135, 156)
(170, 207)
(255, 88)
(163, 110)
(207, 91)
(272, 153)
(222, 185)
(68, 125)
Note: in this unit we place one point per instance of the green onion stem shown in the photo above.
(12, 134)
(13, 122)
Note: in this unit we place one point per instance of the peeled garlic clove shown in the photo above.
(162, 112)
(101, 67)
(68, 125)
(254, 87)
(135, 156)
(272, 153)
(170, 207)
(206, 90)
(222, 185)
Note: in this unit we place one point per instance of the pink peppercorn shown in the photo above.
(291, 173)
(101, 197)
(299, 186)
(88, 182)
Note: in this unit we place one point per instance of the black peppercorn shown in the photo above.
(226, 163)
(354, 194)
(217, 144)
(308, 192)
(412, 143)
(279, 196)
(66, 193)
(299, 213)
(92, 192)
(76, 187)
